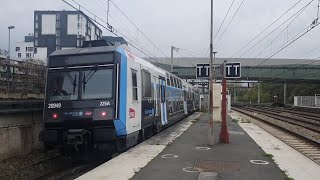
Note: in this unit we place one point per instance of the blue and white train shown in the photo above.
(105, 96)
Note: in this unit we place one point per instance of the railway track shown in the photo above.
(313, 116)
(303, 139)
(312, 124)
(40, 165)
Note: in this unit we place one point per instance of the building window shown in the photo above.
(28, 55)
(36, 42)
(30, 49)
(58, 33)
(19, 55)
(17, 49)
(58, 17)
(37, 17)
(58, 41)
(57, 25)
(79, 26)
(78, 43)
(37, 25)
(146, 84)
(35, 50)
(134, 85)
(36, 34)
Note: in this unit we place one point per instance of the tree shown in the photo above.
(3, 52)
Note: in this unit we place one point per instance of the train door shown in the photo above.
(185, 106)
(156, 93)
(164, 119)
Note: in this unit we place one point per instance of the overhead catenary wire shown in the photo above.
(138, 29)
(228, 24)
(309, 28)
(258, 35)
(117, 21)
(295, 15)
(104, 26)
(223, 20)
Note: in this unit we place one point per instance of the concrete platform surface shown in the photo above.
(288, 159)
(125, 165)
(190, 158)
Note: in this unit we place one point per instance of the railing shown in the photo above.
(307, 101)
(22, 80)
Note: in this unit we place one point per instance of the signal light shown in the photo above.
(55, 116)
(103, 114)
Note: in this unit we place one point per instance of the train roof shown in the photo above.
(76, 51)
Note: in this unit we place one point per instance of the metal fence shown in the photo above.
(21, 79)
(307, 101)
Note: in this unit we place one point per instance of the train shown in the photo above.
(103, 96)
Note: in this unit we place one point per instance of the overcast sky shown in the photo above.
(184, 24)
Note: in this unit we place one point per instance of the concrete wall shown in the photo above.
(19, 134)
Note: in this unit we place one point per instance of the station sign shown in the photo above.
(233, 70)
(203, 71)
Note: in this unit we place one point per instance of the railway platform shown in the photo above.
(189, 157)
(181, 152)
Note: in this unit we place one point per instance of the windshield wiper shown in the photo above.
(86, 79)
(73, 81)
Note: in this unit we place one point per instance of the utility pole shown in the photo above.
(259, 100)
(284, 93)
(224, 134)
(214, 67)
(211, 133)
(172, 48)
(8, 61)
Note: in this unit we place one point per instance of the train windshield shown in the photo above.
(97, 84)
(62, 86)
(94, 84)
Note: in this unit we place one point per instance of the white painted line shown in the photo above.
(207, 176)
(260, 162)
(169, 156)
(288, 159)
(130, 162)
(191, 170)
(203, 148)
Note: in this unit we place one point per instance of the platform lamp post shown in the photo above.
(8, 61)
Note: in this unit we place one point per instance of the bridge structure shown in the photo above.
(273, 70)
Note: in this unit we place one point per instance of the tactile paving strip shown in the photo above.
(217, 166)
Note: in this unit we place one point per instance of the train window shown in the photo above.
(146, 84)
(134, 85)
(176, 81)
(171, 80)
(168, 80)
(62, 86)
(97, 84)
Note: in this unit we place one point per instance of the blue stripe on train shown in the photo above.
(120, 124)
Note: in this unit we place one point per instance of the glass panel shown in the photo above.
(62, 86)
(97, 84)
(146, 84)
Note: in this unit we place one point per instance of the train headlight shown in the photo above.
(55, 116)
(103, 114)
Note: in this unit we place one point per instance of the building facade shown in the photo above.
(55, 30)
(25, 50)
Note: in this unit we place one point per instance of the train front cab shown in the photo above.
(82, 105)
